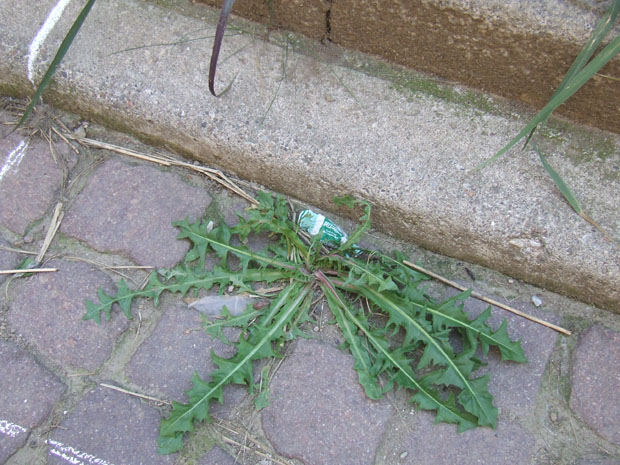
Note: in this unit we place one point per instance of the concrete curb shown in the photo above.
(497, 46)
(310, 128)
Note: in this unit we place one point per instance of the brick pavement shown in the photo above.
(56, 406)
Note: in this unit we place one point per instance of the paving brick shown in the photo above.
(129, 209)
(427, 443)
(515, 386)
(8, 260)
(598, 461)
(319, 413)
(595, 396)
(28, 393)
(217, 456)
(29, 180)
(47, 311)
(110, 426)
(177, 348)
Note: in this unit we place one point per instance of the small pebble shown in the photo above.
(537, 301)
(553, 416)
(404, 454)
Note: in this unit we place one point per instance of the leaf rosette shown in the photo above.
(398, 336)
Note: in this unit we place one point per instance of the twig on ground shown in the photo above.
(31, 270)
(51, 232)
(11, 249)
(213, 174)
(270, 454)
(488, 300)
(135, 394)
(101, 266)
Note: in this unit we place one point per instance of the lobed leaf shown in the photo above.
(367, 372)
(456, 370)
(237, 369)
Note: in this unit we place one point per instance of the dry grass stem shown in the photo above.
(66, 141)
(51, 232)
(115, 148)
(213, 174)
(128, 267)
(270, 454)
(135, 394)
(11, 249)
(31, 270)
(488, 300)
(101, 266)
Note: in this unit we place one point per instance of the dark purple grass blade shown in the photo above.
(219, 35)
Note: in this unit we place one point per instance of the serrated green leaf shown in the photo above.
(262, 399)
(214, 327)
(457, 370)
(180, 279)
(366, 372)
(425, 396)
(237, 369)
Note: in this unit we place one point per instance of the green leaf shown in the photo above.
(426, 397)
(560, 184)
(214, 328)
(366, 372)
(262, 399)
(456, 371)
(180, 279)
(219, 240)
(237, 369)
(578, 75)
(364, 219)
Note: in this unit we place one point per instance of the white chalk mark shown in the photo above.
(73, 455)
(14, 158)
(39, 38)
(11, 429)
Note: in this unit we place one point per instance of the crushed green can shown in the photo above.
(315, 223)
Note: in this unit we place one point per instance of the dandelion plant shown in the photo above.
(398, 336)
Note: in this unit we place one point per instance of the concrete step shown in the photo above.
(519, 49)
(314, 121)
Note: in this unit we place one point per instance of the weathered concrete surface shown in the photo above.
(312, 129)
(517, 49)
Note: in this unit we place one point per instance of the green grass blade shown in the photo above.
(563, 94)
(559, 182)
(602, 29)
(60, 54)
